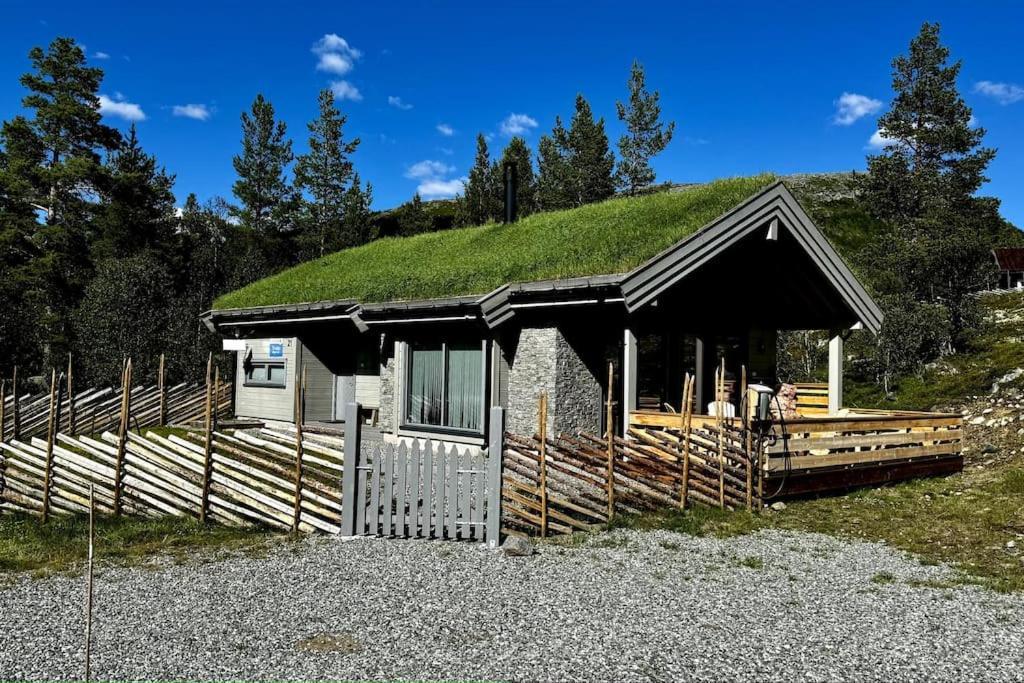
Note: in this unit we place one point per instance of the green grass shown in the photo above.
(26, 544)
(996, 348)
(609, 237)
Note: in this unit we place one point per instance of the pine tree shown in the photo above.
(590, 160)
(517, 154)
(923, 185)
(267, 201)
(478, 204)
(58, 153)
(645, 135)
(553, 171)
(136, 213)
(325, 173)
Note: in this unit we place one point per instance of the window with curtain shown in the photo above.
(446, 386)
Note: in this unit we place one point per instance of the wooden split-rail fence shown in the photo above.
(96, 410)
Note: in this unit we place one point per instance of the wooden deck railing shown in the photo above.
(823, 452)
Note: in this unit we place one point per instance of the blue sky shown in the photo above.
(752, 87)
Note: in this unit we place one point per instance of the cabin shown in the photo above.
(1009, 267)
(433, 367)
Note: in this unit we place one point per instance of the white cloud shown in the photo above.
(851, 106)
(448, 151)
(100, 55)
(397, 103)
(879, 141)
(428, 169)
(433, 180)
(343, 90)
(1003, 93)
(445, 130)
(334, 63)
(441, 189)
(129, 111)
(517, 124)
(332, 42)
(199, 112)
(336, 55)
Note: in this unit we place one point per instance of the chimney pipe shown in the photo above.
(511, 191)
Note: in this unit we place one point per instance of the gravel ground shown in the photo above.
(623, 606)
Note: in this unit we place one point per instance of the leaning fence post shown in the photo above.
(50, 429)
(204, 504)
(350, 466)
(495, 452)
(543, 427)
(3, 405)
(15, 411)
(71, 399)
(162, 388)
(610, 421)
(685, 412)
(300, 388)
(122, 433)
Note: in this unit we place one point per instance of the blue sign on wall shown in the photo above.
(277, 350)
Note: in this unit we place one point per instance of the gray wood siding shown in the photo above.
(368, 390)
(319, 387)
(267, 403)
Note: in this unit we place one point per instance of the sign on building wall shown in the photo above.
(276, 350)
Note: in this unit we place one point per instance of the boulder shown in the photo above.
(517, 546)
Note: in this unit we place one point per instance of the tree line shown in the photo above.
(575, 165)
(95, 259)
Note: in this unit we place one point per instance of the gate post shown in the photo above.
(350, 470)
(495, 451)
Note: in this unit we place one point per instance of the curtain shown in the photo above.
(465, 386)
(426, 385)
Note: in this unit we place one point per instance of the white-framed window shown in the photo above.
(445, 386)
(265, 373)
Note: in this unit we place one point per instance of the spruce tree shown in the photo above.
(553, 171)
(266, 200)
(136, 213)
(324, 172)
(478, 204)
(590, 160)
(517, 154)
(413, 217)
(646, 136)
(357, 227)
(922, 186)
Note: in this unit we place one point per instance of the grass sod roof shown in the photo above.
(613, 236)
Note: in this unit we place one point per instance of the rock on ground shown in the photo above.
(622, 606)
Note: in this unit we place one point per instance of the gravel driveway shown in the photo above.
(626, 606)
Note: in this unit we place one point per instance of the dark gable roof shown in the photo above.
(776, 203)
(1009, 258)
(636, 289)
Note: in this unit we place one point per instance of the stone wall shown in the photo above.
(533, 371)
(577, 389)
(388, 361)
(547, 360)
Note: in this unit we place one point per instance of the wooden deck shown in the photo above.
(816, 453)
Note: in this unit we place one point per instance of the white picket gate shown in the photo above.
(421, 490)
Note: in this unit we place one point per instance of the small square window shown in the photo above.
(262, 373)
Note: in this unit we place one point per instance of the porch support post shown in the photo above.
(628, 378)
(698, 352)
(835, 371)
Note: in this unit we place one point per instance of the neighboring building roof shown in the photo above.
(771, 208)
(1009, 258)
